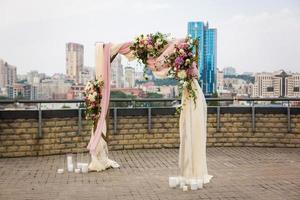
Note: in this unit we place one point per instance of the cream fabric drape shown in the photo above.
(192, 152)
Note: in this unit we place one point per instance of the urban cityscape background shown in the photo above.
(127, 79)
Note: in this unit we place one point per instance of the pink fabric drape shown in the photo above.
(155, 64)
(124, 49)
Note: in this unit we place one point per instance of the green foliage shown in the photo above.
(153, 95)
(19, 96)
(3, 98)
(22, 81)
(213, 103)
(120, 94)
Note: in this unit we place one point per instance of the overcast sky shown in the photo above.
(256, 35)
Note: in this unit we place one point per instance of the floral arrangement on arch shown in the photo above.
(181, 62)
(92, 96)
(148, 46)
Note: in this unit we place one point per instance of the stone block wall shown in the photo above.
(130, 129)
(19, 137)
(133, 132)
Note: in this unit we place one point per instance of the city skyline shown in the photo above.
(247, 31)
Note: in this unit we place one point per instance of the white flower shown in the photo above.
(91, 98)
(95, 94)
(182, 74)
(181, 51)
(158, 42)
(98, 81)
(185, 84)
(88, 86)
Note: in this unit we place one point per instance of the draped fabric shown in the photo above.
(192, 129)
(192, 123)
(97, 145)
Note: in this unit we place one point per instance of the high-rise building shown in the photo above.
(207, 54)
(229, 71)
(8, 77)
(54, 88)
(277, 84)
(117, 76)
(3, 76)
(220, 80)
(129, 77)
(87, 74)
(238, 87)
(74, 60)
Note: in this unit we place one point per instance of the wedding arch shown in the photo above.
(175, 58)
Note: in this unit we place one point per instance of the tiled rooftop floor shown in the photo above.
(239, 173)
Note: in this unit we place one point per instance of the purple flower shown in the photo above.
(179, 60)
(149, 40)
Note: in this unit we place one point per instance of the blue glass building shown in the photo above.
(207, 63)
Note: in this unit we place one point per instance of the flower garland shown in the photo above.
(182, 64)
(148, 46)
(92, 96)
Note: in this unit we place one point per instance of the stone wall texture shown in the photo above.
(19, 136)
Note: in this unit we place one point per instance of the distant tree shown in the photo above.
(3, 98)
(20, 96)
(153, 95)
(213, 103)
(65, 106)
(120, 94)
(22, 81)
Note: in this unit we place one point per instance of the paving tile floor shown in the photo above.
(239, 173)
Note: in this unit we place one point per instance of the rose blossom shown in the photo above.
(91, 98)
(182, 74)
(192, 71)
(149, 46)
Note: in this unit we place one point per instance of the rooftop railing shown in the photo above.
(148, 107)
(151, 100)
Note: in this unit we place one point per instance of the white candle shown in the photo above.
(60, 171)
(194, 185)
(173, 181)
(200, 183)
(185, 188)
(79, 165)
(69, 159)
(70, 168)
(182, 183)
(77, 170)
(84, 168)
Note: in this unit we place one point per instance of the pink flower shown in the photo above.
(192, 71)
